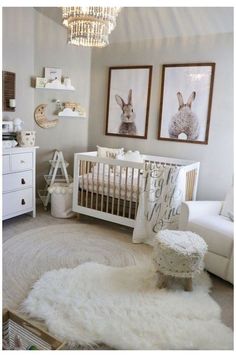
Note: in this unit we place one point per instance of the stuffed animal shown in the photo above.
(18, 124)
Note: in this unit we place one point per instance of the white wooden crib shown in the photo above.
(109, 188)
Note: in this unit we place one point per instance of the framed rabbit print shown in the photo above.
(128, 101)
(186, 97)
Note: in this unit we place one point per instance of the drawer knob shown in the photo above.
(22, 161)
(23, 202)
(22, 181)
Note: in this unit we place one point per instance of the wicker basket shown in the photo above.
(72, 106)
(29, 334)
(26, 138)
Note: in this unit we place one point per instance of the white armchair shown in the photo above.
(203, 218)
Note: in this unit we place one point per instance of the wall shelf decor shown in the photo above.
(8, 91)
(53, 80)
(72, 110)
(41, 119)
(58, 86)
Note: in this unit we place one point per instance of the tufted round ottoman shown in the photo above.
(178, 254)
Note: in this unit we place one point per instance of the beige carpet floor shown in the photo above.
(222, 291)
(47, 248)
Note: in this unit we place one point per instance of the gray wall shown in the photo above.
(28, 47)
(216, 158)
(52, 50)
(32, 41)
(18, 57)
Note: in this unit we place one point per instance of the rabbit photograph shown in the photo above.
(128, 101)
(127, 125)
(184, 124)
(186, 102)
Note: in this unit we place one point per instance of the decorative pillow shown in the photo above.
(228, 204)
(133, 156)
(109, 153)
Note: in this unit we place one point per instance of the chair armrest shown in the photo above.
(193, 209)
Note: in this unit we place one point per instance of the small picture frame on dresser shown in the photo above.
(7, 126)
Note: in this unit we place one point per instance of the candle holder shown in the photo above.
(12, 103)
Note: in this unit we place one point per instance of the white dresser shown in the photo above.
(18, 184)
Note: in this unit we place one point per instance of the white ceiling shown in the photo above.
(139, 23)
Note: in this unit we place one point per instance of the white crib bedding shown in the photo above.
(113, 185)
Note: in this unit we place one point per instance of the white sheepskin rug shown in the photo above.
(122, 308)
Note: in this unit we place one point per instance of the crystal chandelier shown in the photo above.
(89, 26)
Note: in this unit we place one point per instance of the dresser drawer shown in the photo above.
(20, 162)
(17, 181)
(14, 202)
(5, 164)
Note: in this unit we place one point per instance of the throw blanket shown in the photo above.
(159, 201)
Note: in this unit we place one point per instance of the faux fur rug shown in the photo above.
(27, 256)
(122, 308)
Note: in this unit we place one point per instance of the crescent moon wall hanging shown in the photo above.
(41, 119)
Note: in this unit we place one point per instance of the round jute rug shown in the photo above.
(30, 254)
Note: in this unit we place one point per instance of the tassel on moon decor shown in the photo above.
(41, 119)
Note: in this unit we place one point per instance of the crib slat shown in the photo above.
(114, 190)
(124, 202)
(137, 194)
(190, 184)
(131, 192)
(108, 189)
(119, 192)
(82, 183)
(92, 169)
(97, 193)
(87, 186)
(103, 174)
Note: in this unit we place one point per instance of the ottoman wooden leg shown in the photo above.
(162, 281)
(188, 285)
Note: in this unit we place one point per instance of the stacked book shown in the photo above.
(9, 140)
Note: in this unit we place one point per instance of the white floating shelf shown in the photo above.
(57, 88)
(56, 84)
(68, 112)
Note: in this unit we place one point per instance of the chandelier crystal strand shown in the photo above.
(89, 26)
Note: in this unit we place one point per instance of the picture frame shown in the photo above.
(52, 74)
(128, 100)
(185, 103)
(8, 90)
(40, 82)
(7, 126)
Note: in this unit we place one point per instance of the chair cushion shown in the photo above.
(217, 231)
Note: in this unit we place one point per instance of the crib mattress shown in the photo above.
(116, 186)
